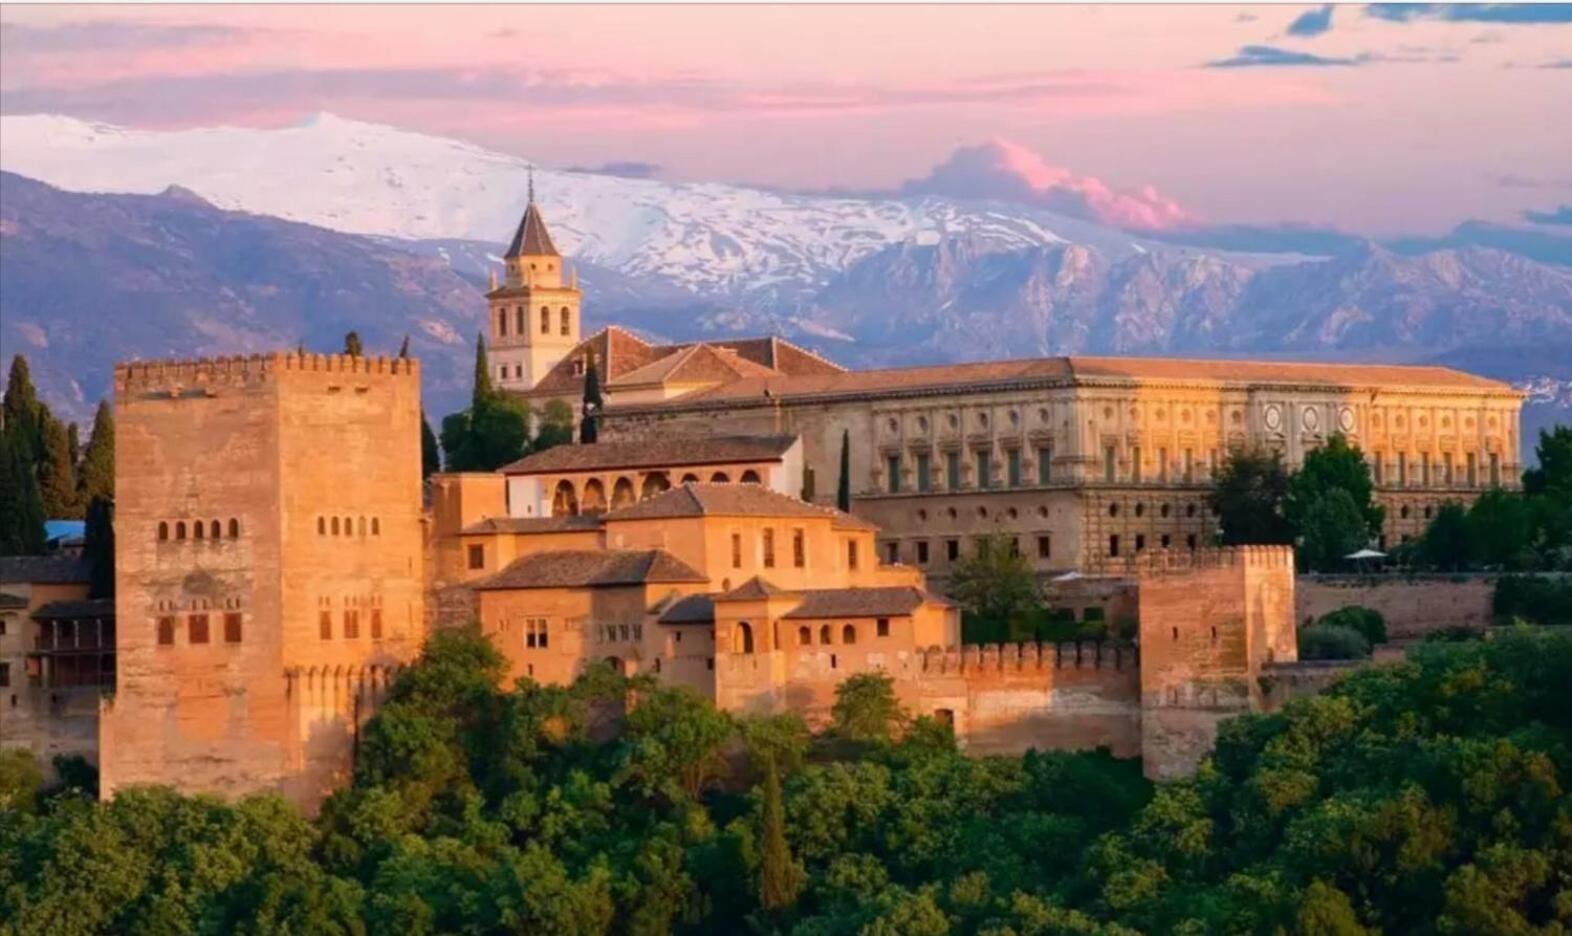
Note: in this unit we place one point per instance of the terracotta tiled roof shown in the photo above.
(692, 609)
(1270, 372)
(754, 589)
(592, 568)
(1067, 370)
(653, 453)
(44, 570)
(532, 239)
(859, 602)
(566, 524)
(778, 354)
(67, 610)
(725, 500)
(10, 602)
(700, 363)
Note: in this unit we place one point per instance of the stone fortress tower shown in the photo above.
(534, 316)
(269, 567)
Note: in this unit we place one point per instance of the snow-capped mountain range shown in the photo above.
(363, 178)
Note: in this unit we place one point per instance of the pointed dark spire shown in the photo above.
(532, 239)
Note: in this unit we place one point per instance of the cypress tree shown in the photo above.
(21, 511)
(56, 473)
(74, 440)
(430, 455)
(21, 408)
(589, 424)
(780, 880)
(352, 344)
(98, 548)
(484, 391)
(843, 493)
(97, 477)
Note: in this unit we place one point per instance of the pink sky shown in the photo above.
(1369, 124)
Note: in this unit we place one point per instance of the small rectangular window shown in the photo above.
(883, 627)
(1495, 469)
(325, 625)
(922, 552)
(799, 549)
(1140, 541)
(351, 623)
(952, 470)
(1044, 464)
(5, 674)
(166, 631)
(952, 549)
(736, 550)
(477, 557)
(769, 548)
(984, 472)
(1473, 469)
(1044, 547)
(1378, 467)
(1135, 464)
(851, 554)
(197, 629)
(1013, 466)
(1162, 465)
(1189, 466)
(232, 627)
(892, 552)
(376, 623)
(924, 473)
(892, 466)
(1110, 463)
(1113, 544)
(1402, 468)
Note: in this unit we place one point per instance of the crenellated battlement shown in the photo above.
(1029, 658)
(179, 375)
(1162, 563)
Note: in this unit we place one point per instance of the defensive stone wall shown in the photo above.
(1412, 605)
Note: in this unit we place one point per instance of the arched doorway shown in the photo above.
(742, 638)
(594, 497)
(565, 502)
(621, 493)
(654, 483)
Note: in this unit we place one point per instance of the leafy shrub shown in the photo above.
(1535, 598)
(1458, 633)
(1331, 642)
(1366, 621)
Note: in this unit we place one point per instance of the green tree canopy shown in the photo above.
(1337, 465)
(21, 508)
(1447, 543)
(866, 709)
(21, 409)
(1248, 495)
(1501, 530)
(1331, 527)
(556, 426)
(56, 472)
(995, 581)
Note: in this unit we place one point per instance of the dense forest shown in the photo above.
(1425, 797)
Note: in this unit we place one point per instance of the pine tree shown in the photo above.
(589, 424)
(98, 548)
(97, 475)
(21, 511)
(484, 391)
(21, 408)
(780, 880)
(403, 349)
(843, 493)
(352, 344)
(430, 455)
(56, 474)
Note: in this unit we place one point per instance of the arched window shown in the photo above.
(621, 493)
(750, 477)
(198, 530)
(594, 497)
(321, 526)
(362, 526)
(234, 528)
(804, 636)
(849, 634)
(376, 526)
(163, 530)
(502, 323)
(519, 316)
(565, 320)
(349, 526)
(545, 320)
(335, 526)
(824, 634)
(719, 477)
(690, 478)
(742, 638)
(215, 530)
(180, 529)
(654, 483)
(564, 503)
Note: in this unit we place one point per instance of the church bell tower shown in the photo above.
(534, 315)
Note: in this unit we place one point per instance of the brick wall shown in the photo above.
(1413, 607)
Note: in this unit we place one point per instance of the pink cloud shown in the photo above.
(1000, 170)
